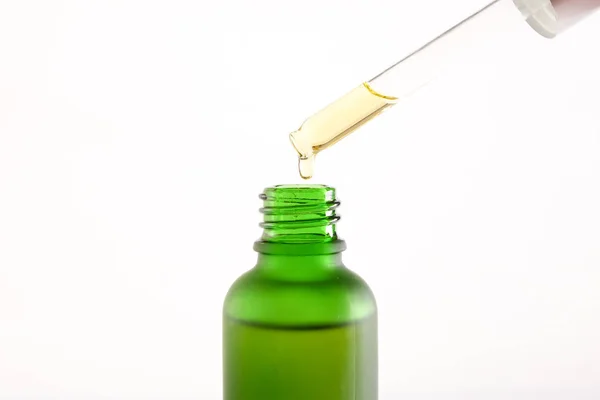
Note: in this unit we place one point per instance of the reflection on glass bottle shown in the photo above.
(300, 325)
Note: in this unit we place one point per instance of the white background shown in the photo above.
(135, 137)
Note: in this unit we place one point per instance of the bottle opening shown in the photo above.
(299, 214)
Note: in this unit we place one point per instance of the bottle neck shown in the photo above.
(299, 220)
(301, 263)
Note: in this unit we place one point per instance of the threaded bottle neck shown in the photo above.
(299, 215)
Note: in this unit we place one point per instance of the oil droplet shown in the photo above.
(306, 166)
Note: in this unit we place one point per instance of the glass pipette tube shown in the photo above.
(351, 111)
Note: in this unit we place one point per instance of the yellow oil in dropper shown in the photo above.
(335, 122)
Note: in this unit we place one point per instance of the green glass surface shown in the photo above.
(300, 325)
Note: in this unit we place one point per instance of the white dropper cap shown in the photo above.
(552, 17)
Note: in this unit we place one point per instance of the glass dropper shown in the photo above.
(325, 128)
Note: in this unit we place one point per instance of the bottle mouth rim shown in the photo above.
(297, 191)
(300, 186)
(289, 198)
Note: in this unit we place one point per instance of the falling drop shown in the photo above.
(306, 166)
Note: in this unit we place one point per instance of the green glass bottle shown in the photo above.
(300, 325)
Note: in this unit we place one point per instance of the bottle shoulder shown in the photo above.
(337, 295)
